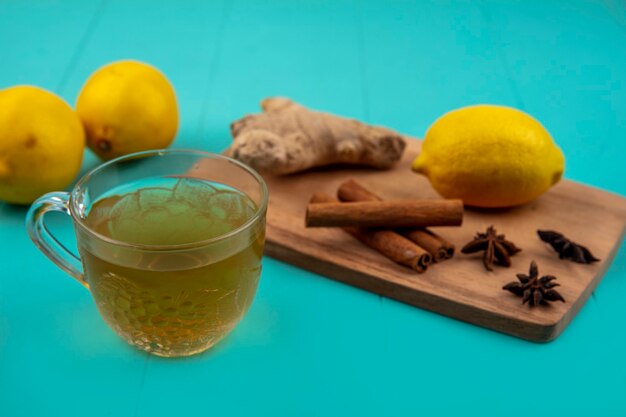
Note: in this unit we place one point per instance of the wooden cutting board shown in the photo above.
(460, 287)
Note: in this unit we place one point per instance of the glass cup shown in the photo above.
(170, 245)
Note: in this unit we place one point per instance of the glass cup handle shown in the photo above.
(45, 241)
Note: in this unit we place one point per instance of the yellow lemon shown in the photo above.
(127, 107)
(489, 156)
(41, 143)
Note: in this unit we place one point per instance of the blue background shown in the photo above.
(310, 346)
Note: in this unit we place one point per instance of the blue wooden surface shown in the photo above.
(310, 346)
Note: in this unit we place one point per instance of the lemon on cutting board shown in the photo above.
(41, 143)
(126, 107)
(489, 156)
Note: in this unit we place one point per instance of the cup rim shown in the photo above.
(259, 212)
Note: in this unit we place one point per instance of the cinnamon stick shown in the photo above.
(351, 190)
(388, 214)
(437, 246)
(390, 244)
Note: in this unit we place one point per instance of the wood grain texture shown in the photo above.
(460, 288)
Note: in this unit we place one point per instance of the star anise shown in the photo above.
(535, 290)
(566, 248)
(497, 249)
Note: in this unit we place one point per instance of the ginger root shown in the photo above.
(288, 138)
